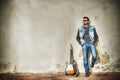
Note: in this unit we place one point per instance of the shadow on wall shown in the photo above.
(4, 34)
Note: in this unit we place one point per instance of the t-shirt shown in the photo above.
(86, 35)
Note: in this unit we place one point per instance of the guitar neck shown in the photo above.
(71, 54)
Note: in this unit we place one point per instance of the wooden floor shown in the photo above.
(28, 76)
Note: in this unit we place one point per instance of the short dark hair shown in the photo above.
(86, 18)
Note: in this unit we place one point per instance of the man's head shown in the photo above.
(86, 21)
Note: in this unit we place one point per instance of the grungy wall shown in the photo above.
(35, 34)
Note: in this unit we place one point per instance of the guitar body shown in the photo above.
(69, 69)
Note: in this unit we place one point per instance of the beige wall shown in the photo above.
(35, 34)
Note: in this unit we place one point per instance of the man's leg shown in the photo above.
(93, 52)
(85, 57)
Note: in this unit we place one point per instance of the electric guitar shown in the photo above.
(70, 66)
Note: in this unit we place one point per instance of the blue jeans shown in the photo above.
(85, 49)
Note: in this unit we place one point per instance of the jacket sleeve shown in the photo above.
(78, 37)
(95, 35)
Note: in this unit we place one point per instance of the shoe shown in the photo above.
(92, 65)
(87, 74)
(76, 75)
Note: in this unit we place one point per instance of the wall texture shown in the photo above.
(35, 34)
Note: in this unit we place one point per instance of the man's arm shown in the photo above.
(96, 35)
(78, 37)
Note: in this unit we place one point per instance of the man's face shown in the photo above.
(85, 21)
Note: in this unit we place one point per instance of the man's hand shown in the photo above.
(81, 42)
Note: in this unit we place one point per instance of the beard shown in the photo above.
(86, 23)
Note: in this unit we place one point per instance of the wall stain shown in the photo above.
(104, 57)
(96, 18)
(4, 66)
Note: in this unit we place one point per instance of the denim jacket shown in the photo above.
(92, 34)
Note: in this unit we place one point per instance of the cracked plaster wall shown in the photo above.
(35, 34)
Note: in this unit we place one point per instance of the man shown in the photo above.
(86, 37)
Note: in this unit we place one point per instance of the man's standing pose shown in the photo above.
(86, 37)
